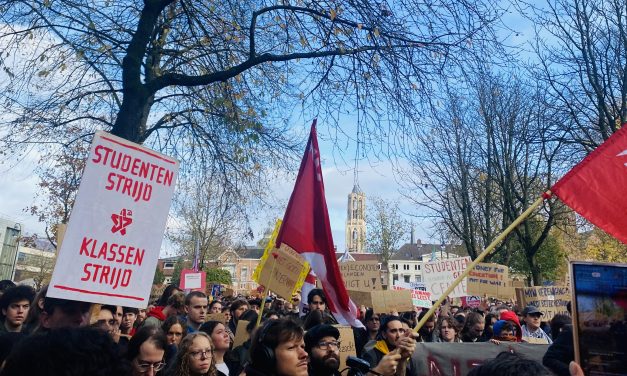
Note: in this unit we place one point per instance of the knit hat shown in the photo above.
(511, 316)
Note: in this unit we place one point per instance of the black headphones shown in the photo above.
(264, 357)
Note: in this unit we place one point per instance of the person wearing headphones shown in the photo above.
(278, 349)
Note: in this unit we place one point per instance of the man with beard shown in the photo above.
(394, 343)
(323, 346)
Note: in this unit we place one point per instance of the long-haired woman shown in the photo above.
(195, 357)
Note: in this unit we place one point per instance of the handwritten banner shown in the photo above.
(348, 347)
(384, 301)
(283, 271)
(439, 275)
(110, 249)
(361, 275)
(550, 300)
(490, 279)
(419, 296)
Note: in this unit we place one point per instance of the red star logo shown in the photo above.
(121, 221)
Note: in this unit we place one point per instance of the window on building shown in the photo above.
(415, 267)
(394, 278)
(418, 278)
(244, 276)
(168, 265)
(406, 278)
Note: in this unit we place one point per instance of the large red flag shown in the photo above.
(307, 230)
(597, 187)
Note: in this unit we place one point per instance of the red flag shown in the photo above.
(597, 187)
(307, 230)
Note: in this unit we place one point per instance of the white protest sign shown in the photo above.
(193, 280)
(419, 297)
(439, 275)
(110, 249)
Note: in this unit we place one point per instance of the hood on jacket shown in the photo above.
(157, 312)
(511, 316)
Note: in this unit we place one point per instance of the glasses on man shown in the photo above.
(146, 366)
(328, 344)
(203, 354)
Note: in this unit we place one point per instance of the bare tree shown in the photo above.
(215, 81)
(210, 216)
(386, 228)
(478, 174)
(582, 52)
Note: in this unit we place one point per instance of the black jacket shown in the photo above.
(559, 355)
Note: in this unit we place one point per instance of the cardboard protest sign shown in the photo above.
(192, 280)
(384, 301)
(241, 335)
(282, 271)
(490, 279)
(361, 275)
(110, 249)
(420, 297)
(440, 274)
(536, 341)
(550, 300)
(347, 347)
(221, 317)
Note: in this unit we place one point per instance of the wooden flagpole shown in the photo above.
(481, 256)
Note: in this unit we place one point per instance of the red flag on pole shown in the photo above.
(307, 230)
(596, 188)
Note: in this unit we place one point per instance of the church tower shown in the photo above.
(356, 221)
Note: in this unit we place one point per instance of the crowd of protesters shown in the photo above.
(175, 336)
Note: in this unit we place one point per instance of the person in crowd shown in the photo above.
(141, 316)
(490, 319)
(59, 313)
(167, 293)
(473, 328)
(393, 341)
(410, 316)
(512, 317)
(118, 315)
(503, 331)
(14, 305)
(65, 352)
(175, 306)
(510, 364)
(316, 300)
(221, 342)
(271, 315)
(447, 331)
(499, 310)
(215, 306)
(558, 323)
(146, 351)
(255, 304)
(453, 310)
(236, 309)
(531, 328)
(427, 331)
(195, 357)
(560, 355)
(106, 321)
(174, 329)
(6, 284)
(278, 349)
(372, 323)
(127, 327)
(322, 343)
(196, 309)
(240, 355)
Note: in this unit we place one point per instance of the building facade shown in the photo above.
(356, 221)
(34, 266)
(10, 232)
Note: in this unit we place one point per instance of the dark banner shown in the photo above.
(457, 359)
